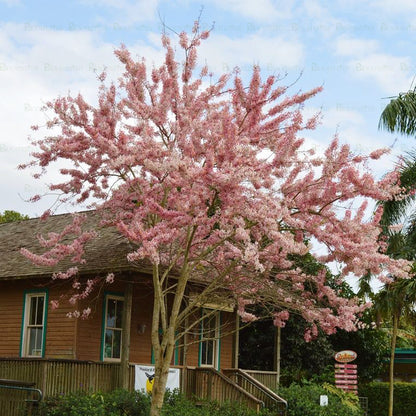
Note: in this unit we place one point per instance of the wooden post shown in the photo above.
(277, 346)
(125, 337)
(236, 341)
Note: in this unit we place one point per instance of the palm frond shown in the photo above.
(394, 211)
(400, 114)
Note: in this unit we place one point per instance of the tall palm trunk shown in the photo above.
(391, 368)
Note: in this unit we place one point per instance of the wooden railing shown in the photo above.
(268, 378)
(270, 399)
(209, 384)
(18, 397)
(54, 377)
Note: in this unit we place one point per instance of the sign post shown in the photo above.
(346, 373)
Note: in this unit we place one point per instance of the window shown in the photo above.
(209, 346)
(113, 316)
(34, 325)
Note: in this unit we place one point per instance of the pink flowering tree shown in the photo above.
(211, 182)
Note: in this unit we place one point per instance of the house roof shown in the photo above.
(103, 254)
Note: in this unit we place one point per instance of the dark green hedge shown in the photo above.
(303, 400)
(404, 402)
(125, 403)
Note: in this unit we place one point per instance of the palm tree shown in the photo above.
(398, 298)
(400, 114)
(396, 301)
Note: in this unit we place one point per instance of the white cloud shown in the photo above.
(395, 6)
(127, 11)
(11, 3)
(391, 73)
(365, 61)
(273, 54)
(346, 46)
(322, 19)
(260, 10)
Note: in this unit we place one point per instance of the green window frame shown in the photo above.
(34, 319)
(112, 327)
(210, 343)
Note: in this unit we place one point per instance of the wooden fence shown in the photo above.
(55, 377)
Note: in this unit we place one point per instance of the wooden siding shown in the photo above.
(80, 339)
(60, 330)
(11, 305)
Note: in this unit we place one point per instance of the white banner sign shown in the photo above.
(145, 377)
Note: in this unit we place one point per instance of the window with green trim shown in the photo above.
(209, 347)
(34, 322)
(113, 327)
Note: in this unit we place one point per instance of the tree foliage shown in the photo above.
(210, 181)
(10, 216)
(400, 114)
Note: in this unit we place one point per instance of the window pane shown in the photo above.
(119, 314)
(35, 341)
(32, 310)
(207, 352)
(108, 346)
(111, 313)
(117, 344)
(39, 311)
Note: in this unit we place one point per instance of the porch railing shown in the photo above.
(268, 378)
(55, 377)
(209, 384)
(270, 399)
(18, 397)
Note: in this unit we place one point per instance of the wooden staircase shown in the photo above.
(206, 383)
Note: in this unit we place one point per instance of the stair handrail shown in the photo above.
(231, 382)
(266, 390)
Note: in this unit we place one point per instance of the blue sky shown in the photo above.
(360, 51)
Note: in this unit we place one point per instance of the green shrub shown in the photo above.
(305, 400)
(116, 403)
(125, 403)
(404, 402)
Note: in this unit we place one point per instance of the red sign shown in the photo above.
(345, 356)
(346, 377)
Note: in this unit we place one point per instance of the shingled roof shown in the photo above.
(106, 253)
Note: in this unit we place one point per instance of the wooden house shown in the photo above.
(32, 328)
(41, 344)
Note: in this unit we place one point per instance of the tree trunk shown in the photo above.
(125, 341)
(391, 368)
(162, 364)
(159, 388)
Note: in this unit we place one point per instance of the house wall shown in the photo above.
(225, 344)
(80, 339)
(60, 330)
(89, 332)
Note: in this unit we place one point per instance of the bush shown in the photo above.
(404, 402)
(125, 403)
(305, 400)
(116, 403)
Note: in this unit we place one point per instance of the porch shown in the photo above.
(255, 389)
